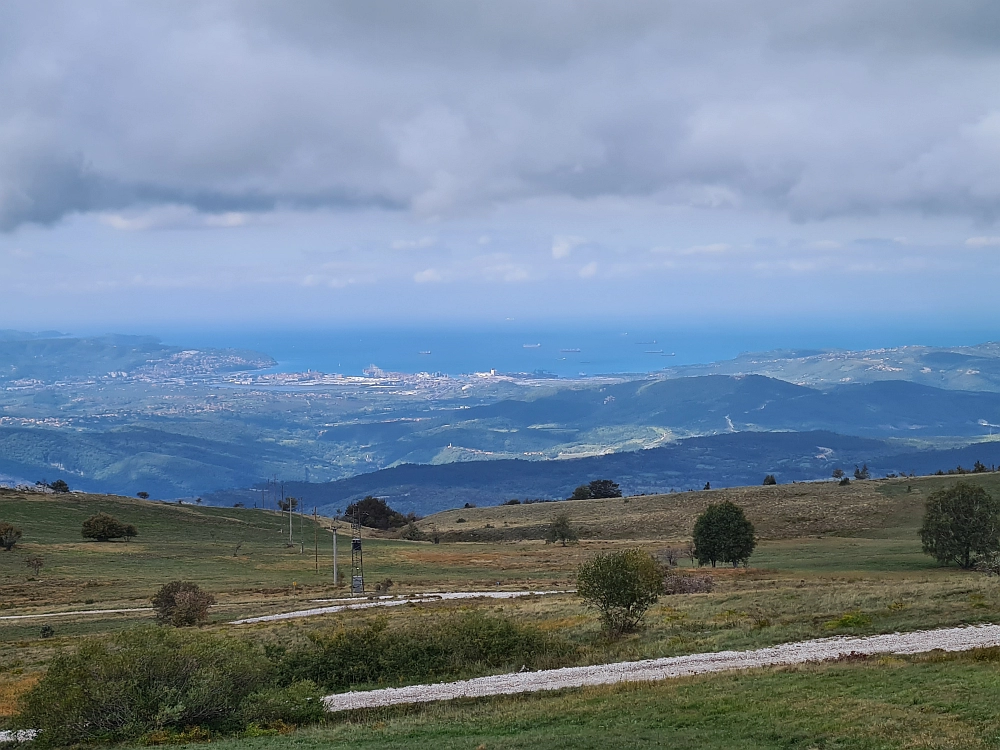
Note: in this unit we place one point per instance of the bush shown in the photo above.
(679, 583)
(770, 480)
(602, 488)
(59, 486)
(844, 482)
(622, 586)
(9, 535)
(140, 681)
(104, 527)
(182, 603)
(723, 534)
(459, 645)
(581, 493)
(299, 703)
(961, 524)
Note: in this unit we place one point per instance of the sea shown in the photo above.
(557, 351)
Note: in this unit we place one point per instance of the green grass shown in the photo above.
(932, 701)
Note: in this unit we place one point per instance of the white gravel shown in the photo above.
(393, 602)
(651, 670)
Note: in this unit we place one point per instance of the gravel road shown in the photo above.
(394, 602)
(651, 670)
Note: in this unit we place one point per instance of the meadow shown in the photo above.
(831, 560)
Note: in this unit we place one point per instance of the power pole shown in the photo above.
(335, 552)
(357, 561)
(316, 537)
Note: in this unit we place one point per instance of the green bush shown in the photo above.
(463, 644)
(299, 703)
(723, 534)
(145, 680)
(9, 535)
(103, 527)
(622, 586)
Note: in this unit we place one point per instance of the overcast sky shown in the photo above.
(316, 163)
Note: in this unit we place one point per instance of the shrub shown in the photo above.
(35, 564)
(144, 680)
(581, 493)
(961, 524)
(770, 480)
(182, 603)
(622, 586)
(515, 501)
(465, 643)
(561, 531)
(104, 527)
(844, 482)
(679, 583)
(723, 534)
(299, 703)
(59, 486)
(600, 488)
(142, 495)
(9, 535)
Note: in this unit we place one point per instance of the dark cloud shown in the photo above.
(811, 109)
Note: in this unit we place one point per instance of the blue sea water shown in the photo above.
(560, 351)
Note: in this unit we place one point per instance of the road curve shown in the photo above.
(652, 670)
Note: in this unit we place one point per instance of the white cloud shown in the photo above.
(983, 241)
(588, 270)
(562, 246)
(413, 244)
(428, 275)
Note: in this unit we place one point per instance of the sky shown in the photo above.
(322, 164)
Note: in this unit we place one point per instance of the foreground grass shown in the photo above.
(930, 701)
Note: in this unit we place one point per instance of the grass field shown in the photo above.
(831, 560)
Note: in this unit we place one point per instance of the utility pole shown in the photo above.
(357, 562)
(335, 552)
(316, 537)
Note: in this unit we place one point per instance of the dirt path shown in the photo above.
(651, 670)
(389, 601)
(76, 612)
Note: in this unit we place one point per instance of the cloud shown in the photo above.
(983, 242)
(811, 110)
(412, 244)
(563, 246)
(589, 270)
(428, 275)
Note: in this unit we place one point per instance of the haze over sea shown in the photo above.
(520, 348)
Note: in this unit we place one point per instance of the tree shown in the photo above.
(9, 535)
(581, 493)
(961, 525)
(600, 488)
(708, 485)
(723, 534)
(561, 531)
(284, 503)
(35, 564)
(979, 467)
(376, 514)
(182, 603)
(838, 473)
(622, 586)
(862, 473)
(142, 495)
(59, 486)
(104, 527)
(769, 480)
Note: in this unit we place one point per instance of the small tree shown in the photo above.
(979, 467)
(377, 514)
(769, 480)
(142, 495)
(35, 564)
(961, 524)
(9, 535)
(581, 493)
(104, 527)
(129, 532)
(284, 503)
(561, 531)
(182, 603)
(723, 534)
(622, 586)
(838, 473)
(59, 486)
(862, 473)
(708, 485)
(604, 488)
